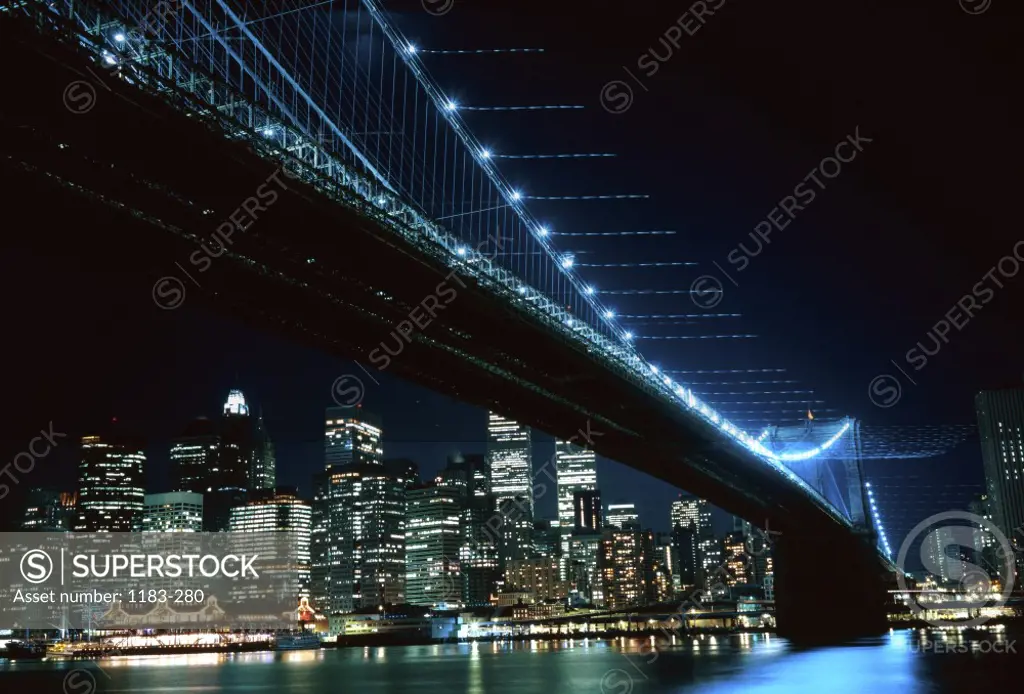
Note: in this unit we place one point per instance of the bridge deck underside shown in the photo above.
(131, 180)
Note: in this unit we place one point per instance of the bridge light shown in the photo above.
(485, 154)
(461, 250)
(609, 314)
(628, 336)
(589, 290)
(516, 195)
(654, 369)
(522, 290)
(543, 231)
(111, 60)
(267, 132)
(119, 37)
(451, 106)
(567, 262)
(412, 48)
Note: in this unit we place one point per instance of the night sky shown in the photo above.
(729, 124)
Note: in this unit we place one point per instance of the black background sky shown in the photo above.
(731, 122)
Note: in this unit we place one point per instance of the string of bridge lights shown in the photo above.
(636, 362)
(515, 197)
(878, 520)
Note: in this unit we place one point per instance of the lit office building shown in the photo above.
(358, 538)
(540, 578)
(1001, 430)
(195, 456)
(576, 471)
(48, 510)
(622, 516)
(352, 440)
(337, 556)
(736, 559)
(173, 512)
(698, 551)
(382, 574)
(688, 510)
(433, 541)
(711, 558)
(510, 458)
(280, 511)
(110, 483)
(621, 564)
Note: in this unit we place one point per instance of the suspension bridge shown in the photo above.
(304, 171)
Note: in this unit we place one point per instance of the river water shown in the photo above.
(900, 663)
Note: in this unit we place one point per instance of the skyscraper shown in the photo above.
(352, 439)
(737, 560)
(699, 552)
(1001, 430)
(382, 537)
(622, 516)
(110, 483)
(263, 465)
(195, 457)
(510, 457)
(576, 471)
(621, 564)
(280, 510)
(511, 461)
(172, 512)
(434, 539)
(478, 554)
(358, 521)
(236, 444)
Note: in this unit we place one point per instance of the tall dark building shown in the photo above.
(586, 511)
(1001, 430)
(236, 444)
(685, 546)
(476, 470)
(263, 463)
(111, 491)
(228, 481)
(194, 456)
(478, 554)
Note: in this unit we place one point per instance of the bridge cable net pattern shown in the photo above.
(339, 96)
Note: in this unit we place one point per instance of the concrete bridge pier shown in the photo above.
(828, 588)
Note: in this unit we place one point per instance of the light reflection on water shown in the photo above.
(903, 661)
